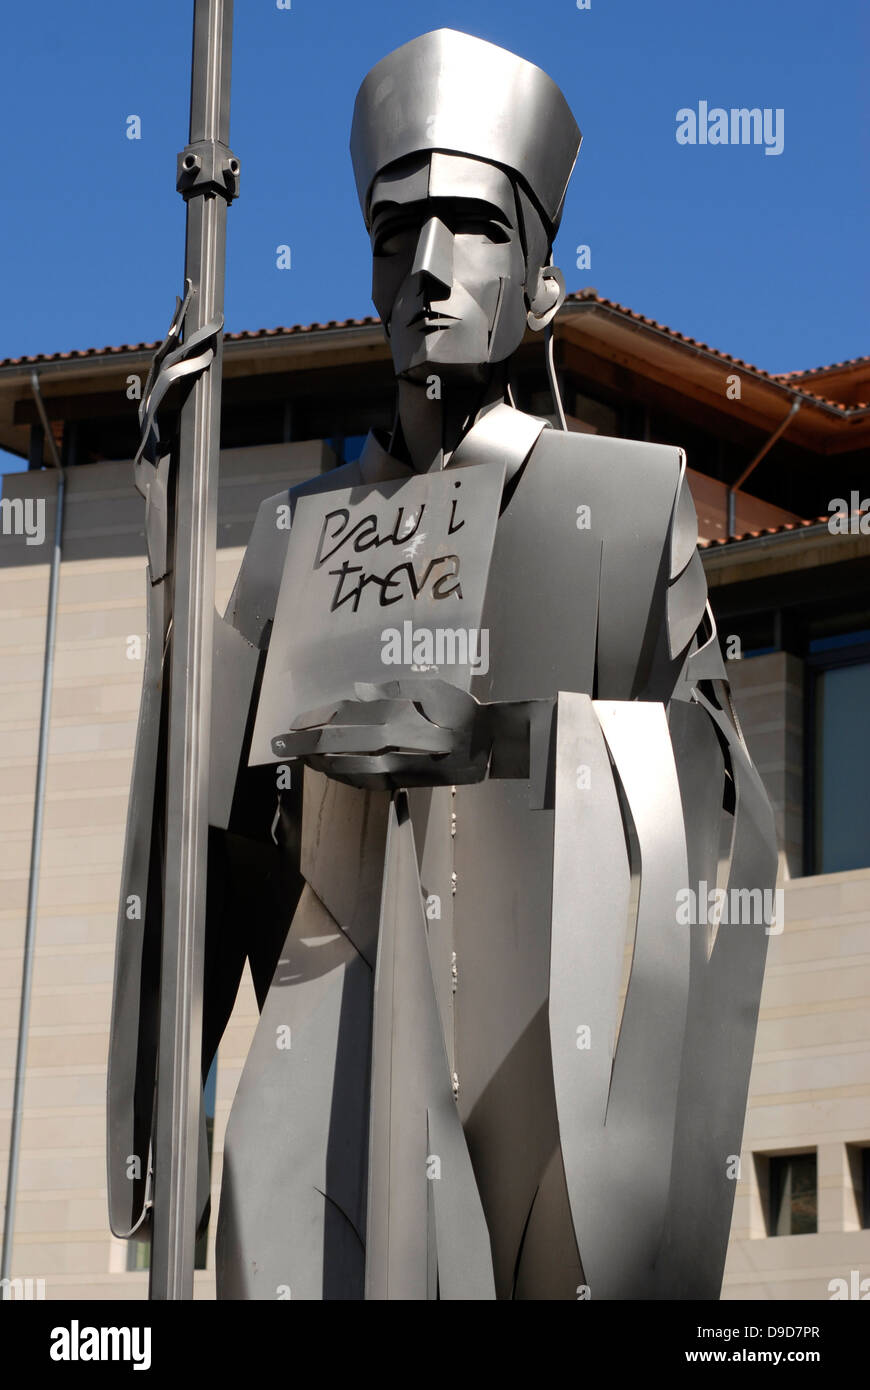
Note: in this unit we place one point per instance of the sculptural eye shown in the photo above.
(395, 237)
(398, 235)
(486, 227)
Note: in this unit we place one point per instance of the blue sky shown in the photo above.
(762, 256)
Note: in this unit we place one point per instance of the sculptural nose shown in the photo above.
(433, 260)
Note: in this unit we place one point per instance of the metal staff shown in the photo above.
(208, 179)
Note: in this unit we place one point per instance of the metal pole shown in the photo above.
(35, 852)
(208, 179)
(750, 467)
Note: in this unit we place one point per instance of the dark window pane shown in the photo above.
(793, 1200)
(804, 1214)
(842, 784)
(138, 1254)
(842, 639)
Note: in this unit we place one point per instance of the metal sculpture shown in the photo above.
(488, 644)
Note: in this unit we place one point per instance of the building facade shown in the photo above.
(777, 465)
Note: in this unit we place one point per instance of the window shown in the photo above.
(793, 1199)
(838, 807)
(859, 1166)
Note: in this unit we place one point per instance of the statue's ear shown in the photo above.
(547, 298)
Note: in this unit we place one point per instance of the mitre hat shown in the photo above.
(450, 91)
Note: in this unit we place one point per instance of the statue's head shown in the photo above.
(462, 154)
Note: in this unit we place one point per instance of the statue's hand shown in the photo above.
(419, 731)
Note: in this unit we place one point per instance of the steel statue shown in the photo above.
(471, 741)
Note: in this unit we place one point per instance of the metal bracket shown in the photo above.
(208, 166)
(150, 464)
(168, 364)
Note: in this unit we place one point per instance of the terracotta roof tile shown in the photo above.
(587, 296)
(831, 367)
(244, 334)
(799, 525)
(785, 381)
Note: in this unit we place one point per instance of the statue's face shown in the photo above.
(448, 264)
